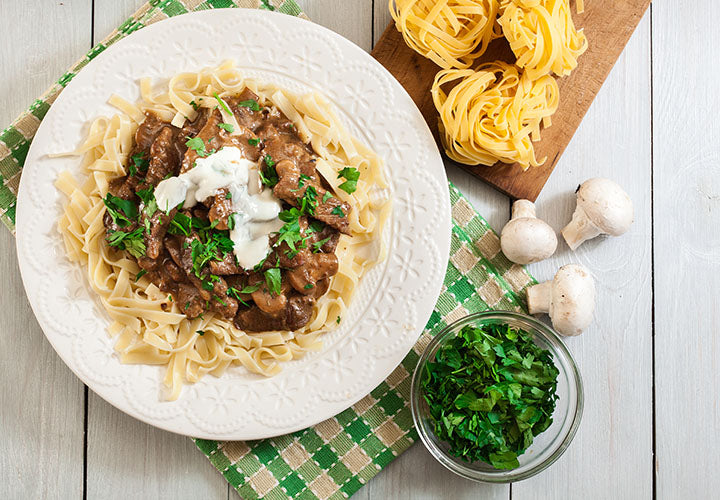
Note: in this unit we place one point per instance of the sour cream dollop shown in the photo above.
(256, 210)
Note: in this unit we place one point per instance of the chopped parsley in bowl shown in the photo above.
(496, 397)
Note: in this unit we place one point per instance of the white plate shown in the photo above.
(390, 307)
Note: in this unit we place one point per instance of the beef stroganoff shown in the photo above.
(223, 221)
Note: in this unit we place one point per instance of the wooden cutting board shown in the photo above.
(608, 25)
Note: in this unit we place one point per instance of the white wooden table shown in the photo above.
(649, 362)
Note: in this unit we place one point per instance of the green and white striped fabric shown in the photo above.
(335, 458)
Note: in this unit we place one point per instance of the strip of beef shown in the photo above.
(145, 136)
(296, 314)
(244, 114)
(189, 300)
(332, 211)
(208, 133)
(220, 209)
(164, 157)
(148, 131)
(217, 299)
(158, 224)
(225, 267)
(319, 267)
(328, 235)
(111, 225)
(280, 142)
(125, 187)
(191, 128)
(241, 139)
(179, 248)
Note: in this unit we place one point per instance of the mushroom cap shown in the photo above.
(573, 300)
(606, 204)
(527, 240)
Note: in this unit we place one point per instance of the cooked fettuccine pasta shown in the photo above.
(223, 221)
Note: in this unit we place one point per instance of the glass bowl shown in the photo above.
(547, 446)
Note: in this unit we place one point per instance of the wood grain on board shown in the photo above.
(608, 26)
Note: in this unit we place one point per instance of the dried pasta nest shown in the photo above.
(451, 33)
(542, 36)
(493, 113)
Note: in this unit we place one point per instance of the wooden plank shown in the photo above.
(607, 29)
(128, 458)
(611, 456)
(41, 401)
(687, 248)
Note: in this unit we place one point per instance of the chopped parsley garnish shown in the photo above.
(490, 391)
(197, 145)
(250, 103)
(289, 233)
(234, 293)
(201, 255)
(338, 211)
(140, 274)
(148, 198)
(265, 4)
(132, 241)
(303, 178)
(250, 288)
(253, 142)
(231, 221)
(326, 196)
(337, 320)
(228, 195)
(227, 127)
(268, 174)
(309, 286)
(181, 224)
(207, 285)
(315, 226)
(199, 332)
(194, 105)
(139, 163)
(317, 246)
(222, 302)
(222, 104)
(308, 203)
(273, 279)
(123, 212)
(352, 175)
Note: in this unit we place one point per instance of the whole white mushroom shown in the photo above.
(569, 299)
(525, 238)
(602, 208)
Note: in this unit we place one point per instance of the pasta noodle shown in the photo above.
(542, 36)
(493, 114)
(451, 33)
(147, 326)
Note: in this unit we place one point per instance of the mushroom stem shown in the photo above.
(579, 229)
(539, 298)
(523, 208)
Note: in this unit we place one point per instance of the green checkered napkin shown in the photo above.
(333, 459)
(336, 457)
